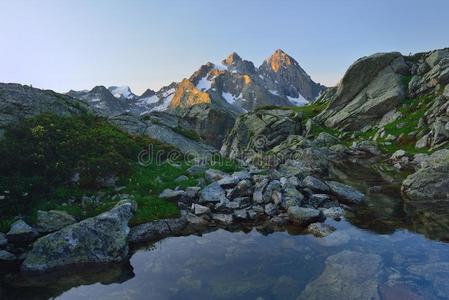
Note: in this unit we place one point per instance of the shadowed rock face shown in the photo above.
(283, 74)
(20, 101)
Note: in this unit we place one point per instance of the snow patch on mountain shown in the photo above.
(299, 101)
(122, 91)
(204, 84)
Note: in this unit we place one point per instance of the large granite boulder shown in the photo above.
(430, 183)
(347, 275)
(101, 239)
(370, 88)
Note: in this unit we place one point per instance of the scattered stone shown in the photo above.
(315, 184)
(100, 239)
(317, 200)
(225, 219)
(214, 175)
(49, 221)
(398, 155)
(196, 170)
(270, 209)
(196, 220)
(241, 175)
(335, 213)
(228, 182)
(181, 178)
(347, 275)
(6, 257)
(191, 193)
(274, 185)
(21, 233)
(243, 188)
(241, 214)
(304, 216)
(3, 240)
(213, 193)
(320, 229)
(345, 193)
(171, 195)
(200, 209)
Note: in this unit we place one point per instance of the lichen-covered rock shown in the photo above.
(101, 239)
(345, 193)
(214, 175)
(347, 275)
(20, 232)
(431, 182)
(49, 221)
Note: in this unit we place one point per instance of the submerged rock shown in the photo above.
(347, 275)
(49, 221)
(6, 257)
(101, 239)
(320, 229)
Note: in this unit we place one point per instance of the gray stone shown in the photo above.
(200, 209)
(225, 219)
(243, 188)
(315, 184)
(101, 239)
(214, 175)
(213, 193)
(398, 154)
(196, 170)
(304, 216)
(335, 213)
(181, 178)
(157, 230)
(21, 232)
(270, 209)
(3, 240)
(345, 193)
(274, 185)
(191, 193)
(318, 200)
(6, 256)
(228, 182)
(431, 182)
(320, 229)
(241, 214)
(241, 175)
(171, 195)
(49, 221)
(347, 275)
(325, 139)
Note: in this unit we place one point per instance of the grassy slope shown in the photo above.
(41, 154)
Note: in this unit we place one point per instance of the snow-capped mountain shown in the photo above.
(122, 92)
(101, 100)
(238, 85)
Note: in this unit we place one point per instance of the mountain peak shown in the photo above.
(232, 58)
(279, 58)
(121, 91)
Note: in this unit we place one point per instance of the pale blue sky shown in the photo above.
(64, 45)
